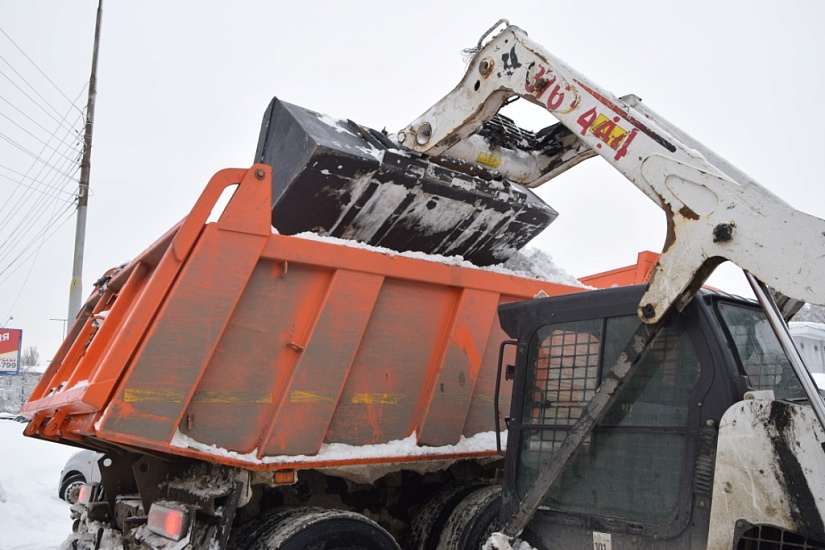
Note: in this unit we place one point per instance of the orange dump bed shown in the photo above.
(228, 343)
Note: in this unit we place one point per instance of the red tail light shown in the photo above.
(84, 495)
(167, 521)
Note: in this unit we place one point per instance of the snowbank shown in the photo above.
(31, 515)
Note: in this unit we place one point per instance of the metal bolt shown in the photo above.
(424, 133)
(648, 311)
(723, 232)
(260, 174)
(486, 66)
(402, 137)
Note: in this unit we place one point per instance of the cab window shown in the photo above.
(631, 465)
(760, 355)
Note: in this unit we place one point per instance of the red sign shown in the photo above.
(10, 342)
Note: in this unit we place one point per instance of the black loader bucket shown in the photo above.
(339, 179)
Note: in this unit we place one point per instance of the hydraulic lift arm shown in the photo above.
(714, 211)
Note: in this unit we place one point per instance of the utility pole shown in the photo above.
(76, 286)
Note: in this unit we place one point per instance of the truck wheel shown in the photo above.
(425, 530)
(70, 488)
(474, 519)
(314, 529)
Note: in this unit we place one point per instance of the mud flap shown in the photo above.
(339, 179)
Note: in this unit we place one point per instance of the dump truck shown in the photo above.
(309, 371)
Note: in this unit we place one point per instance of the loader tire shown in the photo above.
(426, 528)
(313, 529)
(474, 519)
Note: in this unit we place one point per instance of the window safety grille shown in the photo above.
(767, 537)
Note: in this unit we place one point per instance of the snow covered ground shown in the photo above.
(31, 515)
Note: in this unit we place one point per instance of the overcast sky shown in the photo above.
(182, 86)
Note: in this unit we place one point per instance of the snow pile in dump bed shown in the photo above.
(340, 452)
(528, 262)
(538, 264)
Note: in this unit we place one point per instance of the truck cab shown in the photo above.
(655, 468)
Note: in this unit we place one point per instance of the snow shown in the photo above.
(528, 262)
(340, 452)
(499, 541)
(339, 126)
(811, 327)
(31, 515)
(334, 123)
(810, 313)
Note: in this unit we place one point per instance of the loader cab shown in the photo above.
(646, 471)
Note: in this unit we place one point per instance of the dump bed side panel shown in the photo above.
(258, 345)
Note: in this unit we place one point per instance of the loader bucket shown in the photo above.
(339, 179)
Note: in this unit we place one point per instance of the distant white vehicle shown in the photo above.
(81, 468)
(810, 340)
(15, 417)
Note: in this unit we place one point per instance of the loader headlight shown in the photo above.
(168, 521)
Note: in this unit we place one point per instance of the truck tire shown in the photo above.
(426, 527)
(474, 519)
(313, 529)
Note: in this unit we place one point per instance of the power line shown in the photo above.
(22, 240)
(33, 188)
(52, 185)
(37, 203)
(11, 204)
(39, 70)
(22, 91)
(37, 207)
(25, 248)
(27, 220)
(7, 271)
(23, 149)
(10, 258)
(28, 117)
(47, 177)
(46, 145)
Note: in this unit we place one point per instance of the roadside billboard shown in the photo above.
(11, 340)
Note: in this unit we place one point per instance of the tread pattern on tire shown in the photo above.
(428, 523)
(311, 529)
(472, 520)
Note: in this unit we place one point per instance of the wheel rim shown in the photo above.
(72, 491)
